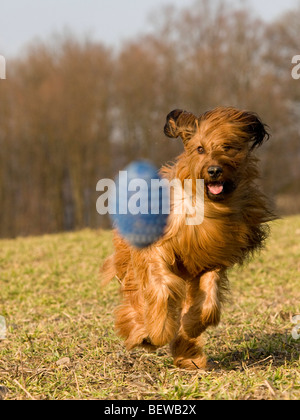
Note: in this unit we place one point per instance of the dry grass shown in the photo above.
(61, 343)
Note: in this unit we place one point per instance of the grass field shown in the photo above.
(61, 343)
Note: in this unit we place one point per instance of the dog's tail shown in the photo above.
(108, 271)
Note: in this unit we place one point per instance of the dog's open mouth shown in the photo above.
(216, 188)
(218, 191)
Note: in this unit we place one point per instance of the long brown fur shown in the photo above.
(174, 290)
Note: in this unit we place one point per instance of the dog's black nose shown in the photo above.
(215, 171)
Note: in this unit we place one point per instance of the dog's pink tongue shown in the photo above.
(215, 189)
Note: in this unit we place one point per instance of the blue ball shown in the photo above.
(142, 204)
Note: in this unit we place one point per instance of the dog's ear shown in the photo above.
(181, 124)
(256, 130)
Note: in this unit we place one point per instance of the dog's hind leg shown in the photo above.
(129, 316)
(130, 325)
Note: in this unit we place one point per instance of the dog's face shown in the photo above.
(217, 145)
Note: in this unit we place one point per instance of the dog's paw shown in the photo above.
(195, 363)
(188, 353)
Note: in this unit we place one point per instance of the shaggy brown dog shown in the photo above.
(173, 290)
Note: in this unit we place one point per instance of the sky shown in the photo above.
(109, 21)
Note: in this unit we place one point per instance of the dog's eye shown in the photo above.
(201, 150)
(227, 148)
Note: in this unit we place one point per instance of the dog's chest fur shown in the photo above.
(223, 239)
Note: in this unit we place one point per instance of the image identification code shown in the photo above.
(160, 409)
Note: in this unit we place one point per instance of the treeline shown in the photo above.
(75, 111)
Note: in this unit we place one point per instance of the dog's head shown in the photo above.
(218, 145)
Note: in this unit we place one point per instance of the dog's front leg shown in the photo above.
(202, 309)
(212, 285)
(164, 293)
(205, 296)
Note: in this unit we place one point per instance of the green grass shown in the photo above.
(61, 342)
